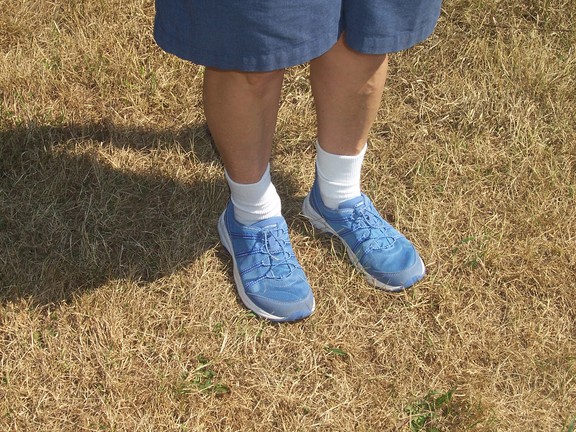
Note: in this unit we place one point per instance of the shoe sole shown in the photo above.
(227, 243)
(319, 223)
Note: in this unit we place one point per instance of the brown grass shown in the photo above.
(118, 309)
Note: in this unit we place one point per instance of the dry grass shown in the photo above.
(118, 310)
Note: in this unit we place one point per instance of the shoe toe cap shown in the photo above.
(288, 302)
(396, 269)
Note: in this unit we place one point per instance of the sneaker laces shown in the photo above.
(373, 228)
(277, 259)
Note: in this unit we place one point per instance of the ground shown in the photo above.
(118, 310)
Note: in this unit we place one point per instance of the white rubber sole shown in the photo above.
(319, 223)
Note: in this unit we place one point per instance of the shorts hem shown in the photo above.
(263, 62)
(390, 44)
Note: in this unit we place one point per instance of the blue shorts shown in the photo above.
(264, 35)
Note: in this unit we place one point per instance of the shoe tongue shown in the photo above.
(271, 223)
(352, 203)
(272, 242)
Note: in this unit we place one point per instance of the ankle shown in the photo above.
(338, 176)
(255, 201)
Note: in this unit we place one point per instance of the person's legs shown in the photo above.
(241, 110)
(347, 88)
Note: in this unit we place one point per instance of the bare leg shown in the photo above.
(241, 110)
(347, 88)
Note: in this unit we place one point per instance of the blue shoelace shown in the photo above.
(270, 242)
(373, 228)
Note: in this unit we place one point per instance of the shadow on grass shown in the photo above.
(71, 221)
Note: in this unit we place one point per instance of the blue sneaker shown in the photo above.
(382, 254)
(268, 277)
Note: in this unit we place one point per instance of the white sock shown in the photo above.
(255, 201)
(338, 176)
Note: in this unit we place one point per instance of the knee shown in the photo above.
(371, 87)
(375, 73)
(258, 84)
(262, 79)
(262, 84)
